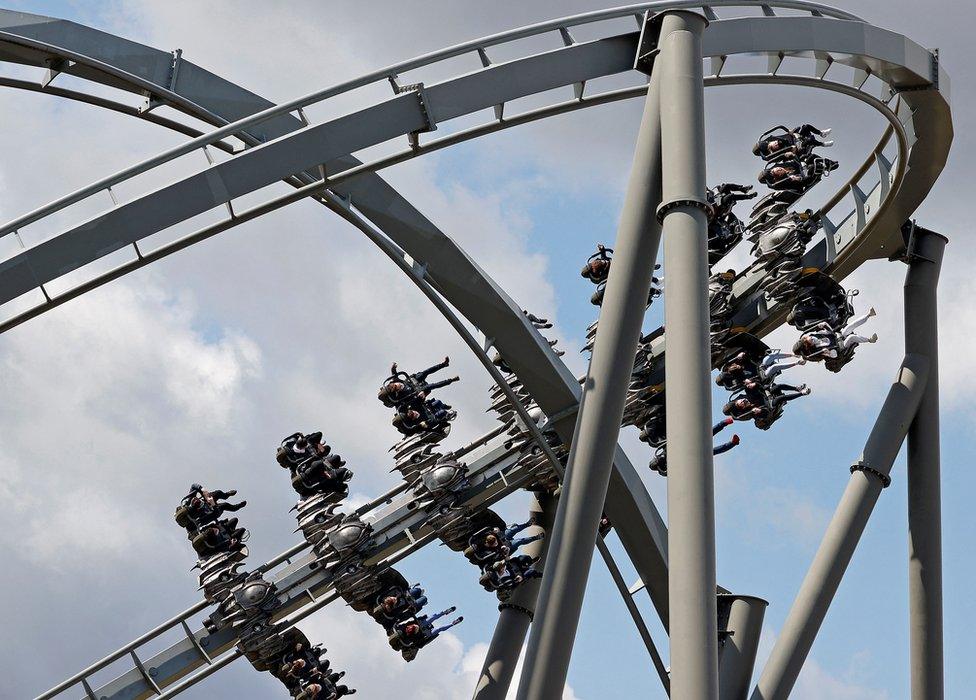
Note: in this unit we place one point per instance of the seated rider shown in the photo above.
(487, 546)
(654, 430)
(401, 388)
(508, 574)
(822, 342)
(724, 227)
(298, 448)
(219, 537)
(322, 475)
(779, 144)
(433, 415)
(659, 462)
(597, 267)
(397, 605)
(410, 636)
(204, 507)
(796, 175)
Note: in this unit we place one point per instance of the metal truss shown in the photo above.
(266, 144)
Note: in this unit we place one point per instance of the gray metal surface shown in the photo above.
(687, 374)
(399, 528)
(594, 440)
(896, 60)
(916, 107)
(925, 116)
(514, 617)
(484, 303)
(923, 474)
(843, 533)
(739, 643)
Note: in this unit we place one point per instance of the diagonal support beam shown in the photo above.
(515, 616)
(868, 477)
(598, 423)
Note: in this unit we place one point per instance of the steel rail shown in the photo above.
(746, 283)
(105, 103)
(145, 258)
(861, 171)
(235, 128)
(776, 78)
(284, 557)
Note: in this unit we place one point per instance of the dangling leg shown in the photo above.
(855, 339)
(784, 398)
(721, 425)
(421, 376)
(447, 627)
(442, 613)
(773, 370)
(513, 530)
(526, 540)
(859, 321)
(774, 356)
(726, 446)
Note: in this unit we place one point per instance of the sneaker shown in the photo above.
(873, 338)
(828, 144)
(872, 312)
(825, 132)
(805, 391)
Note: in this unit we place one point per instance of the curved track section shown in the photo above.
(279, 143)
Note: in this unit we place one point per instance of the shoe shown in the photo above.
(828, 144)
(825, 132)
(872, 312)
(805, 391)
(873, 338)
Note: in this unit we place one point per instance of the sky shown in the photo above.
(194, 368)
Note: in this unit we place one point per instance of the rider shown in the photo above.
(412, 635)
(822, 342)
(793, 143)
(724, 227)
(659, 462)
(298, 447)
(401, 388)
(204, 507)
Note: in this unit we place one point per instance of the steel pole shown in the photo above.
(688, 400)
(515, 615)
(743, 617)
(868, 476)
(598, 422)
(924, 487)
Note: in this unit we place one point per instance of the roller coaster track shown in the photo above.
(267, 143)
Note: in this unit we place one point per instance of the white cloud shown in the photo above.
(816, 682)
(130, 372)
(445, 670)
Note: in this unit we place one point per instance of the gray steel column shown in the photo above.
(742, 616)
(598, 422)
(844, 531)
(688, 401)
(924, 487)
(515, 615)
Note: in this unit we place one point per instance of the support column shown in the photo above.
(514, 616)
(687, 373)
(924, 483)
(868, 476)
(598, 422)
(740, 618)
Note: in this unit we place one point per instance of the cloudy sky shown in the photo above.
(194, 368)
